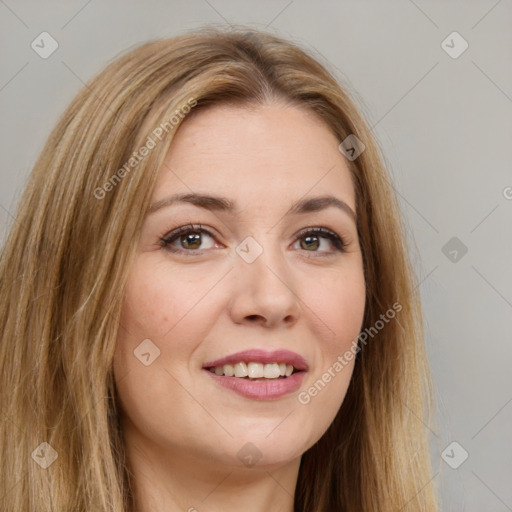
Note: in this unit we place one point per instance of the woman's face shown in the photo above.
(249, 274)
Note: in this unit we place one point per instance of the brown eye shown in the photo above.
(187, 239)
(310, 242)
(191, 241)
(312, 239)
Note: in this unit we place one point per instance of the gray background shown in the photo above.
(445, 125)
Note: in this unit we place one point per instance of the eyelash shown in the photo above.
(321, 232)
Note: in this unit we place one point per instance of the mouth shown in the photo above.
(258, 374)
(258, 364)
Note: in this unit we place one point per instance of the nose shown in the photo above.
(264, 292)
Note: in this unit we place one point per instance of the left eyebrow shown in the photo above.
(217, 203)
(315, 204)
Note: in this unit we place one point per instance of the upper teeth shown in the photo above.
(254, 370)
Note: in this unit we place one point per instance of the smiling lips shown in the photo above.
(259, 374)
(258, 363)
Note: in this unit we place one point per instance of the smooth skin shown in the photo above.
(182, 430)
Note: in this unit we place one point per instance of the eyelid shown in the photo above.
(339, 242)
(166, 239)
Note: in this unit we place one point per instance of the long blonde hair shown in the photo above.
(65, 263)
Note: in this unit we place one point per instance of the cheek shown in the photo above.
(173, 312)
(159, 299)
(339, 303)
(339, 307)
(168, 312)
(150, 310)
(151, 306)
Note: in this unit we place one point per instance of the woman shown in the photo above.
(206, 299)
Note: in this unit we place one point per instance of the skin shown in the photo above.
(182, 430)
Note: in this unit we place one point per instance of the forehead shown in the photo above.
(267, 153)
